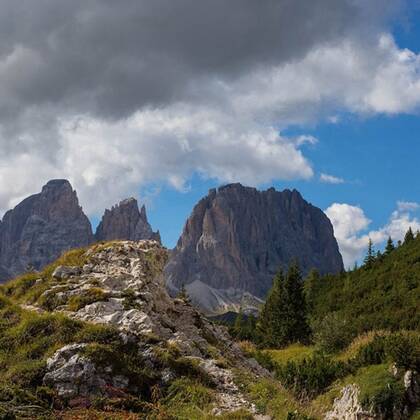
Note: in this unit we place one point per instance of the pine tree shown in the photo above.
(389, 246)
(238, 325)
(296, 328)
(370, 256)
(409, 236)
(311, 287)
(268, 325)
(283, 317)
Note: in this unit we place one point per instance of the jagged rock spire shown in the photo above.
(125, 221)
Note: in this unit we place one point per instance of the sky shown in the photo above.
(164, 99)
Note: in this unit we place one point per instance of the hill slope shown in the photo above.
(97, 328)
(385, 296)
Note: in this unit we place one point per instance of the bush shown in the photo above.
(404, 350)
(401, 348)
(332, 333)
(387, 400)
(310, 377)
(372, 353)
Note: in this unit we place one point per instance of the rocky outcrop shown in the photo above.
(238, 237)
(120, 284)
(41, 227)
(348, 407)
(125, 221)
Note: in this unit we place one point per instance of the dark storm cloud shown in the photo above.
(110, 58)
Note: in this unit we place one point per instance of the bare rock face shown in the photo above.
(238, 237)
(348, 406)
(41, 227)
(125, 222)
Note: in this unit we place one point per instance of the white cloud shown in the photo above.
(227, 129)
(331, 179)
(407, 206)
(107, 161)
(351, 224)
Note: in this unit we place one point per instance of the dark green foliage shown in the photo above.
(370, 256)
(403, 349)
(387, 401)
(283, 317)
(244, 327)
(384, 297)
(310, 377)
(332, 332)
(409, 236)
(183, 294)
(389, 246)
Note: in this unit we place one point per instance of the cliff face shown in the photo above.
(238, 237)
(125, 221)
(41, 227)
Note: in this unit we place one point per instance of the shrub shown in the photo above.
(404, 350)
(386, 401)
(310, 377)
(332, 333)
(372, 353)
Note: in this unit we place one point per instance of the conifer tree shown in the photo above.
(389, 246)
(370, 256)
(296, 325)
(283, 317)
(311, 286)
(409, 236)
(270, 317)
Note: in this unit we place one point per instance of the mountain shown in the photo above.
(41, 227)
(125, 221)
(238, 237)
(98, 330)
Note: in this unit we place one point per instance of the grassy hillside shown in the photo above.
(384, 296)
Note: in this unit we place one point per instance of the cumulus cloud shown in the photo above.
(330, 179)
(351, 228)
(114, 96)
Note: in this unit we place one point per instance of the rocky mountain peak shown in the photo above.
(41, 227)
(125, 221)
(237, 238)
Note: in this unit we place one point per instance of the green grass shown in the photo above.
(371, 380)
(292, 353)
